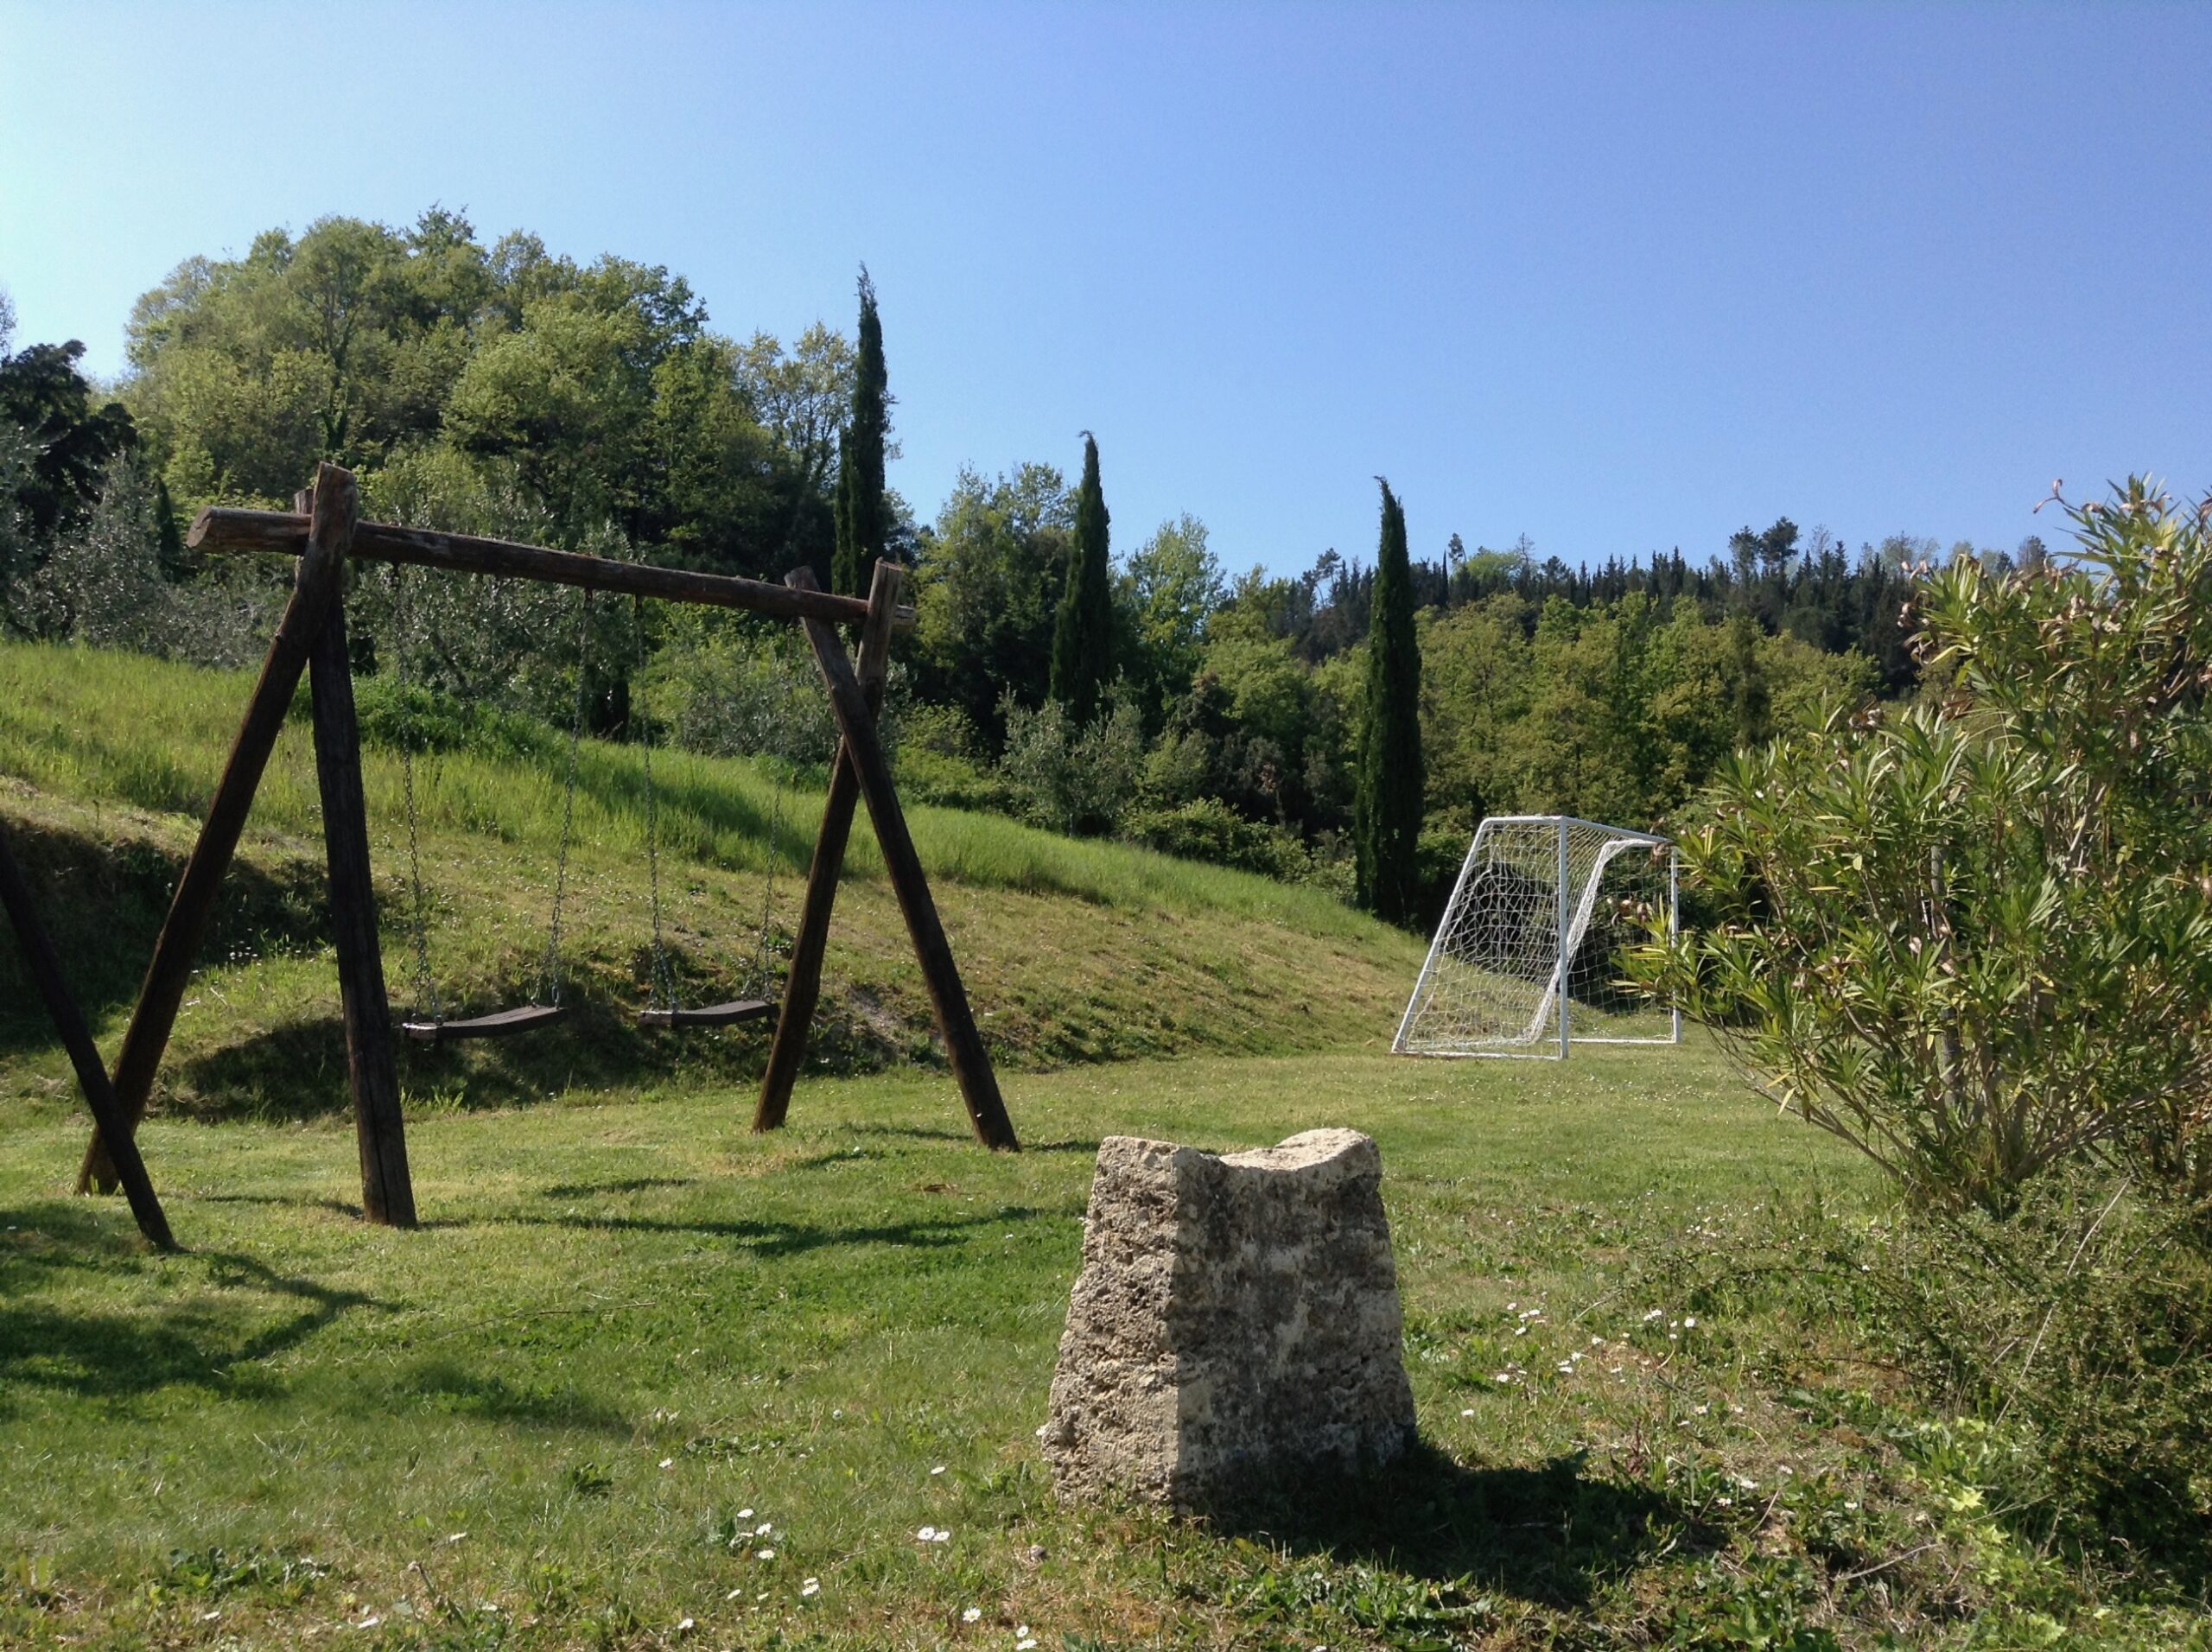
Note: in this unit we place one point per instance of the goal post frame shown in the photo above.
(1572, 918)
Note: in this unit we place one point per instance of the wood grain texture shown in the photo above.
(802, 980)
(387, 1189)
(225, 531)
(956, 1021)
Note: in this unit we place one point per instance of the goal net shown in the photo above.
(1528, 958)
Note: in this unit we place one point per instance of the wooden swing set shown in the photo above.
(324, 532)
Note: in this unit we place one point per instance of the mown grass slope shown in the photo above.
(1072, 952)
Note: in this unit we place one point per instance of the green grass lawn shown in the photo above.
(641, 1368)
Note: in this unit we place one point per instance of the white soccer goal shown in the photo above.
(1528, 960)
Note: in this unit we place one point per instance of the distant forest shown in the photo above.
(507, 390)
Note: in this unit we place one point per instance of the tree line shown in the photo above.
(1347, 724)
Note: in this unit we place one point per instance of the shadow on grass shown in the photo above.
(770, 1238)
(444, 1385)
(212, 1338)
(104, 899)
(633, 1184)
(1549, 1534)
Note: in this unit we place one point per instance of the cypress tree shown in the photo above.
(1387, 810)
(863, 520)
(1082, 631)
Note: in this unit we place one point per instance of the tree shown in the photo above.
(987, 588)
(863, 518)
(1082, 631)
(43, 395)
(1169, 588)
(1387, 815)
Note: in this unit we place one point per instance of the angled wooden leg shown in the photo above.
(45, 965)
(955, 1022)
(336, 506)
(803, 981)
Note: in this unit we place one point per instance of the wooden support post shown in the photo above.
(321, 567)
(45, 965)
(803, 981)
(963, 1044)
(387, 1192)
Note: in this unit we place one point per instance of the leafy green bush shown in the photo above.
(1208, 830)
(2086, 1317)
(414, 716)
(1973, 938)
(1073, 778)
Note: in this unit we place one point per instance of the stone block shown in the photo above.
(1236, 1322)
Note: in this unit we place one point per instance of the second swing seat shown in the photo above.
(499, 1025)
(729, 1015)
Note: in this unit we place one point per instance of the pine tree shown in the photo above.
(863, 519)
(1082, 631)
(1387, 810)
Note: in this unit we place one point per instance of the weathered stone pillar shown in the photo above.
(1237, 1319)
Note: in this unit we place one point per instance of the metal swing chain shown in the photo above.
(426, 987)
(663, 980)
(549, 982)
(760, 985)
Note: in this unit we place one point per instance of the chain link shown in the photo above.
(549, 983)
(426, 987)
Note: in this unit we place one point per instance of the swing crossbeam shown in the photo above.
(325, 533)
(223, 529)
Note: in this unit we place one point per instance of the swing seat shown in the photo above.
(499, 1023)
(729, 1015)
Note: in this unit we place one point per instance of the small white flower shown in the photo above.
(764, 1554)
(1469, 1411)
(944, 1534)
(810, 1588)
(1656, 1313)
(927, 1534)
(1701, 1410)
(971, 1614)
(1503, 1377)
(939, 1468)
(1690, 1324)
(735, 1593)
(668, 1462)
(685, 1626)
(763, 1529)
(839, 1412)
(209, 1617)
(1022, 1630)
(744, 1514)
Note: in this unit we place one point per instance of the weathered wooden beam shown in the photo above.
(803, 981)
(387, 1189)
(321, 566)
(223, 530)
(45, 966)
(955, 1022)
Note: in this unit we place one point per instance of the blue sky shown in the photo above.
(1619, 279)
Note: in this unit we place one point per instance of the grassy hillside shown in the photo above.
(1072, 952)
